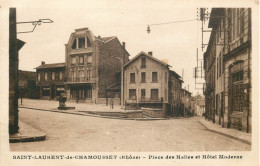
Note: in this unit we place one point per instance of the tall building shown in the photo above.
(228, 67)
(93, 64)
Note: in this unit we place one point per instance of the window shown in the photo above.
(142, 94)
(74, 45)
(143, 77)
(73, 75)
(154, 94)
(88, 43)
(53, 76)
(60, 75)
(89, 59)
(81, 42)
(81, 73)
(154, 76)
(143, 62)
(45, 91)
(81, 60)
(88, 75)
(45, 76)
(39, 76)
(132, 93)
(73, 61)
(132, 77)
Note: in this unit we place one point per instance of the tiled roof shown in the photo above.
(52, 65)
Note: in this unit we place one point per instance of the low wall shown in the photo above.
(154, 112)
(133, 114)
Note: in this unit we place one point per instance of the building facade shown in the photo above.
(148, 82)
(92, 65)
(50, 80)
(230, 47)
(186, 109)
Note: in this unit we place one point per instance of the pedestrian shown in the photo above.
(111, 103)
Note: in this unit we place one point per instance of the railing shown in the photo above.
(81, 79)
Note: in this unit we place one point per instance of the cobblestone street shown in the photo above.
(68, 132)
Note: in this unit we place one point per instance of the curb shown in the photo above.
(227, 135)
(27, 139)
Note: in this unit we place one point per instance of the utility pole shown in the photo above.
(13, 73)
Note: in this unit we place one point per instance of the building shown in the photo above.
(50, 80)
(93, 67)
(149, 83)
(228, 93)
(199, 105)
(175, 89)
(27, 84)
(185, 108)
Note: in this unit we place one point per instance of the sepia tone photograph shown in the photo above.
(130, 77)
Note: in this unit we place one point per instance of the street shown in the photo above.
(75, 133)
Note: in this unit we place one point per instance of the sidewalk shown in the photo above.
(232, 133)
(27, 134)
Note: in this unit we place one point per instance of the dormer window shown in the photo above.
(81, 42)
(74, 45)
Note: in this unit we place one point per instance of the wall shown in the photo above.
(111, 58)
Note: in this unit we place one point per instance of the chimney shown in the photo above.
(123, 44)
(43, 63)
(150, 53)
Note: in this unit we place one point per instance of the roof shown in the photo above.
(147, 55)
(175, 74)
(214, 16)
(52, 65)
(105, 39)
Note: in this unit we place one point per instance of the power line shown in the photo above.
(173, 22)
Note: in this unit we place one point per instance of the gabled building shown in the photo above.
(93, 66)
(149, 82)
(50, 80)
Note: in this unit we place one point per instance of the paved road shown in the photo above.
(74, 133)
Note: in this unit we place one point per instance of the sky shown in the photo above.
(128, 21)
